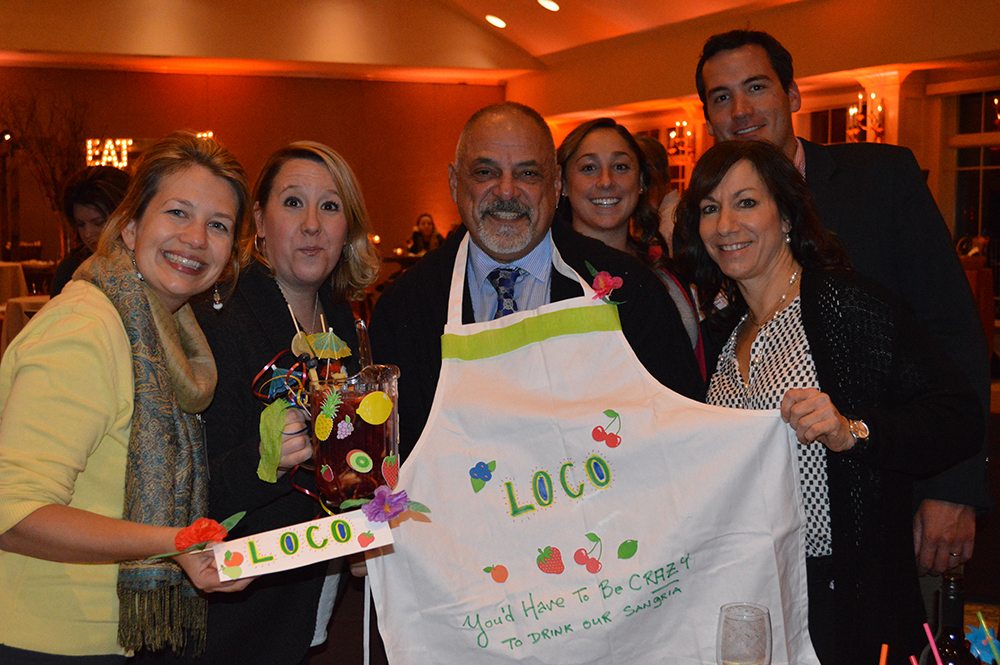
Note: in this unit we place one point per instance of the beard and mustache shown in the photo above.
(505, 226)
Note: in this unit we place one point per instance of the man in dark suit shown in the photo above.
(874, 198)
(505, 182)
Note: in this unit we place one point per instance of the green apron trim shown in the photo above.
(489, 343)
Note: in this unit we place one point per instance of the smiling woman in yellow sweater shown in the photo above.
(102, 456)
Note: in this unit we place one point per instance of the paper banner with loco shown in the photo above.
(300, 545)
(583, 513)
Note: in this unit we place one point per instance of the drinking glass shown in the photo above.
(744, 636)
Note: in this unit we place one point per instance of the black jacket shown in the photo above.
(874, 198)
(272, 621)
(877, 364)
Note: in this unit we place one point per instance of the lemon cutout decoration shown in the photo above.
(300, 344)
(375, 408)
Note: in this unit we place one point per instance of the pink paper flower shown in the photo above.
(385, 505)
(604, 284)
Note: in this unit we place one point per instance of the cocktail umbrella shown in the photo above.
(328, 345)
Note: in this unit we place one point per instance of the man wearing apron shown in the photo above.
(507, 209)
(580, 512)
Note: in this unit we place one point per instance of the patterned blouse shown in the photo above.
(780, 359)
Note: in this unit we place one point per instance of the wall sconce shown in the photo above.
(864, 120)
(679, 139)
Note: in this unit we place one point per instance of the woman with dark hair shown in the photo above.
(89, 198)
(872, 403)
(311, 255)
(605, 174)
(425, 236)
(102, 455)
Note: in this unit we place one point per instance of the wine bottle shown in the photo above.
(950, 636)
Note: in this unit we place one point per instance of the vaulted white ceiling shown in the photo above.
(402, 40)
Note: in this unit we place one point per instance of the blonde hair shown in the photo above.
(170, 155)
(359, 262)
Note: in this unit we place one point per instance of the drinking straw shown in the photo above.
(930, 640)
(989, 638)
(885, 654)
(294, 320)
(313, 376)
(913, 660)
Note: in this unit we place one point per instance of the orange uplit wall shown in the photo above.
(398, 137)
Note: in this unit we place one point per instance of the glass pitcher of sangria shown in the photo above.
(354, 424)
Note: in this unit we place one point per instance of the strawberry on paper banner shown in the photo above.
(583, 558)
(482, 473)
(550, 561)
(604, 283)
(366, 539)
(600, 433)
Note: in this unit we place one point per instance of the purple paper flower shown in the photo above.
(385, 505)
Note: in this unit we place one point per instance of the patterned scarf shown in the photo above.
(166, 479)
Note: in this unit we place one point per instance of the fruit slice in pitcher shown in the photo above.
(360, 461)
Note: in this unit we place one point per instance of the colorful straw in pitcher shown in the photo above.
(930, 640)
(989, 638)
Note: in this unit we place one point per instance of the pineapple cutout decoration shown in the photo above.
(324, 421)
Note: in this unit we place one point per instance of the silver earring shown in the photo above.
(136, 267)
(216, 299)
(258, 244)
(788, 238)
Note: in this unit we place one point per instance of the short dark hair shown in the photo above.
(647, 218)
(656, 157)
(781, 59)
(812, 246)
(101, 187)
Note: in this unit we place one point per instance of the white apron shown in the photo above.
(684, 507)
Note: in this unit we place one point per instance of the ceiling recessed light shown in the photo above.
(496, 21)
(550, 5)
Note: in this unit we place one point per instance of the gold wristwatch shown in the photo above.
(859, 430)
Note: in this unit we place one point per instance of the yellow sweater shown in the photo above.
(66, 399)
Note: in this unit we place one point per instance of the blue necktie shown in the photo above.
(503, 280)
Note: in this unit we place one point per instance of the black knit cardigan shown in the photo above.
(875, 363)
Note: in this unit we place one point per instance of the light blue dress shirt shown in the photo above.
(530, 290)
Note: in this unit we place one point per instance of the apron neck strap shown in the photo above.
(460, 270)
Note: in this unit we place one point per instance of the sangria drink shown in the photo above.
(354, 430)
